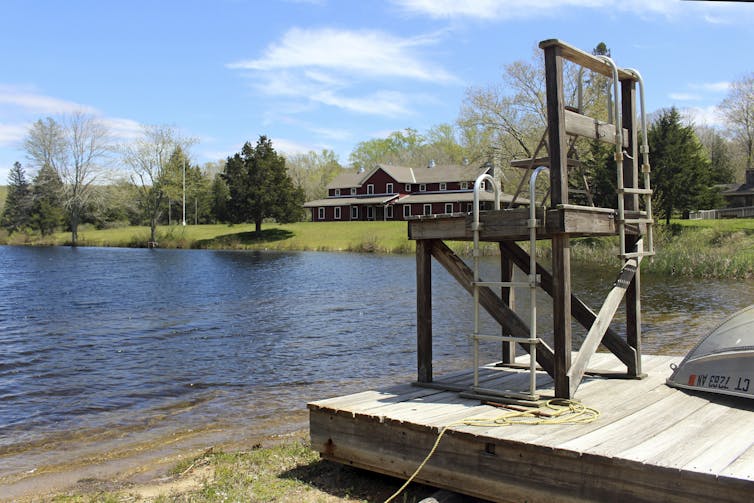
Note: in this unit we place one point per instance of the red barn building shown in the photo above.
(398, 193)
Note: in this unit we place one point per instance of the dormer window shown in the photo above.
(337, 192)
(353, 191)
(388, 188)
(464, 185)
(422, 187)
(443, 186)
(408, 187)
(370, 188)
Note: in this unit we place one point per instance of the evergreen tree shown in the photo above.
(47, 212)
(681, 176)
(259, 186)
(18, 202)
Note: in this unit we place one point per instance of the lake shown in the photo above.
(105, 349)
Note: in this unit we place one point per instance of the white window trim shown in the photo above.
(370, 188)
(370, 212)
(337, 192)
(443, 186)
(406, 210)
(425, 212)
(353, 191)
(388, 188)
(354, 212)
(464, 185)
(321, 214)
(450, 206)
(408, 187)
(389, 212)
(336, 213)
(422, 187)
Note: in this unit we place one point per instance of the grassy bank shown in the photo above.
(698, 248)
(286, 470)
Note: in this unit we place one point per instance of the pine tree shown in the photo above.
(260, 187)
(47, 212)
(15, 216)
(681, 175)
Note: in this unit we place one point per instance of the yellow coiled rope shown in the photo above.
(555, 411)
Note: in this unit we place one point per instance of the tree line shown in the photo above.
(75, 162)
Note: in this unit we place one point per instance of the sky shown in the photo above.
(328, 74)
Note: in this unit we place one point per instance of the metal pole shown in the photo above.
(184, 193)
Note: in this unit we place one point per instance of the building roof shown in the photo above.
(348, 201)
(452, 197)
(404, 174)
(739, 189)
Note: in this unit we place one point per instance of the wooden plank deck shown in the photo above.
(650, 443)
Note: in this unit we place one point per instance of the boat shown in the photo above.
(723, 361)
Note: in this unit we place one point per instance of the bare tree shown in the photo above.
(738, 109)
(149, 160)
(78, 149)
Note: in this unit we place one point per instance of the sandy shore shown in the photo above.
(139, 463)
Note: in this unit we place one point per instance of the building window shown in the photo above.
(443, 186)
(389, 212)
(464, 185)
(370, 212)
(354, 212)
(353, 191)
(337, 213)
(427, 209)
(422, 187)
(408, 187)
(483, 185)
(337, 192)
(406, 210)
(389, 188)
(321, 214)
(448, 207)
(370, 188)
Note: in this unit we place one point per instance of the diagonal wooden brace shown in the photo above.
(493, 304)
(580, 311)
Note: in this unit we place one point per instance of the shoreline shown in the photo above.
(138, 461)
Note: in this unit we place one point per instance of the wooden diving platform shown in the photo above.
(650, 443)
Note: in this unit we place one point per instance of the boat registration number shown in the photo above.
(735, 383)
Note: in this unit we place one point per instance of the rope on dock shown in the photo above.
(556, 411)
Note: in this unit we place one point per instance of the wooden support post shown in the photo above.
(561, 247)
(490, 302)
(631, 179)
(507, 294)
(424, 310)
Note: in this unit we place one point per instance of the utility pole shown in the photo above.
(184, 193)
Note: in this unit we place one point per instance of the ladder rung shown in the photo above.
(507, 338)
(638, 220)
(503, 283)
(637, 254)
(629, 190)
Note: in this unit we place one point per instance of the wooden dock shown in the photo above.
(650, 443)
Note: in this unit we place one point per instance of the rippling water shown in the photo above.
(99, 342)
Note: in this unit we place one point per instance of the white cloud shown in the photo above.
(684, 97)
(707, 116)
(291, 147)
(719, 87)
(384, 103)
(711, 12)
(39, 103)
(12, 134)
(369, 53)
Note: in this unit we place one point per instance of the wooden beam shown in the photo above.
(504, 315)
(561, 313)
(424, 310)
(556, 133)
(507, 294)
(584, 59)
(601, 324)
(580, 311)
(583, 125)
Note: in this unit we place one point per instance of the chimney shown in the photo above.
(431, 163)
(750, 177)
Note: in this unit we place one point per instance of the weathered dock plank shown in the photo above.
(650, 443)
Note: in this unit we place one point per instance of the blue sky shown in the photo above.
(328, 74)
